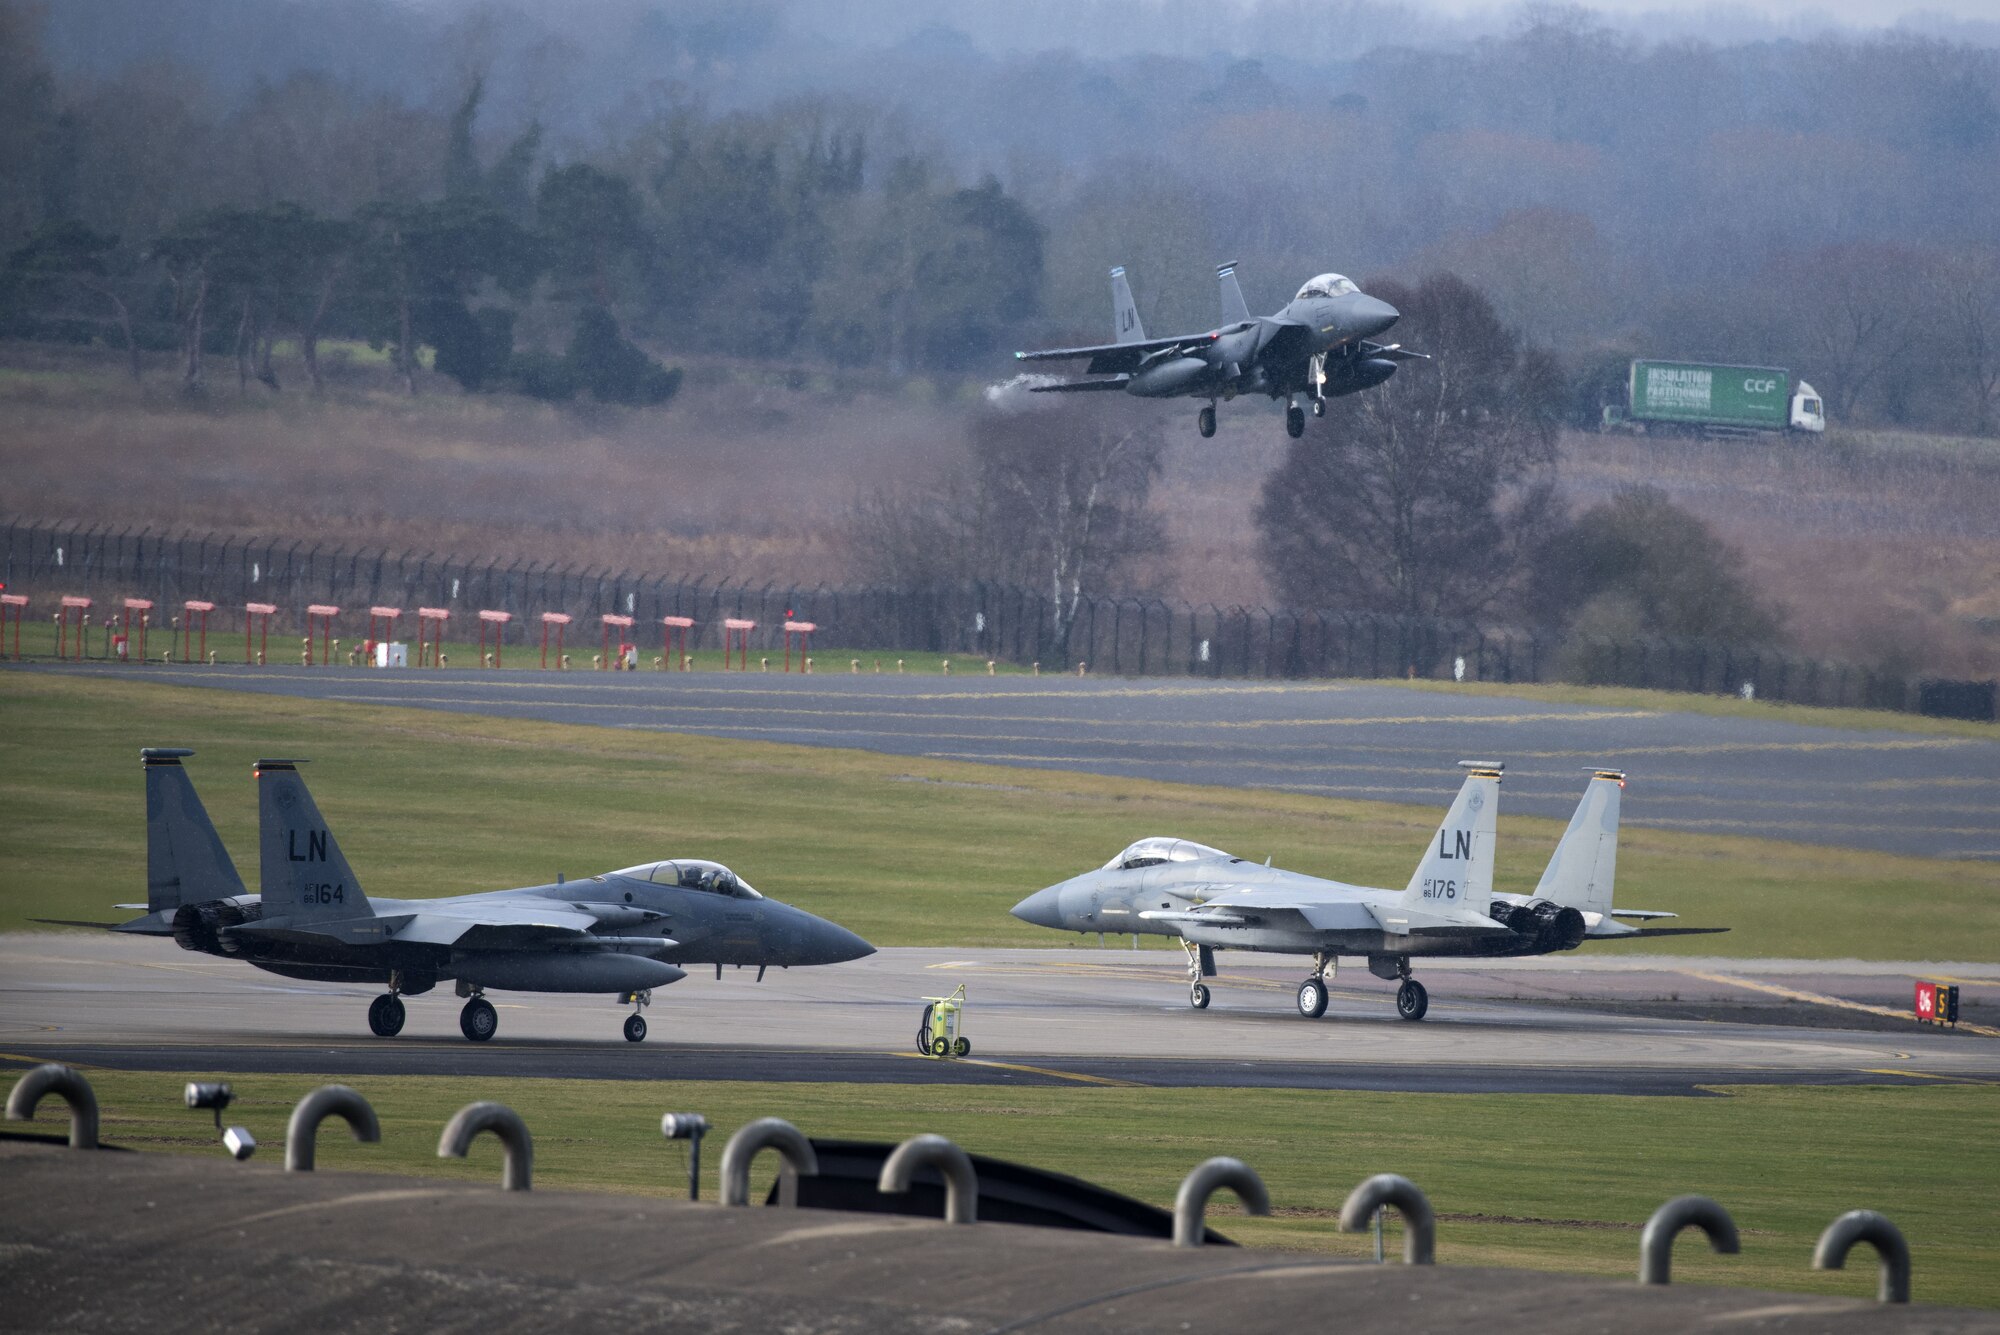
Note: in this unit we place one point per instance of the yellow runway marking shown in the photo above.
(1033, 1070)
(1926, 1075)
(1820, 999)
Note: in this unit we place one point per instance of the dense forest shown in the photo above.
(534, 199)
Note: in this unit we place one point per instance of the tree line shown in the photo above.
(807, 191)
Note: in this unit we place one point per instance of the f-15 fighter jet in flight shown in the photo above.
(623, 932)
(1318, 347)
(1213, 901)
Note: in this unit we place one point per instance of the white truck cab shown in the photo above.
(1808, 413)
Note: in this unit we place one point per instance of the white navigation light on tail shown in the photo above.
(1213, 901)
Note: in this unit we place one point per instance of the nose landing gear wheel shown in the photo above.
(385, 1015)
(478, 1020)
(1295, 421)
(1312, 998)
(1198, 996)
(1205, 421)
(1319, 407)
(635, 1029)
(1412, 1000)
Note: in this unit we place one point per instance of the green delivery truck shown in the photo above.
(1704, 399)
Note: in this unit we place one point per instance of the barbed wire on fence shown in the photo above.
(1108, 634)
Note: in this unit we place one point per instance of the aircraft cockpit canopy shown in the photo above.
(1326, 285)
(710, 877)
(1152, 852)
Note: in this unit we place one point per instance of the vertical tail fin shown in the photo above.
(1580, 874)
(1234, 309)
(1457, 870)
(185, 860)
(303, 872)
(1125, 326)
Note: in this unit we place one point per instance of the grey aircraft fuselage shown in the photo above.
(621, 932)
(1317, 346)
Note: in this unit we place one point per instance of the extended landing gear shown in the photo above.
(1205, 421)
(1319, 407)
(635, 1023)
(1313, 992)
(386, 1015)
(1201, 964)
(1295, 421)
(1412, 1000)
(478, 1021)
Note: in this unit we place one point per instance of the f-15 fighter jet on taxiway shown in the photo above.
(1318, 347)
(623, 932)
(1213, 901)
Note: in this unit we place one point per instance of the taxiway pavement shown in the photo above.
(1089, 1017)
(1894, 791)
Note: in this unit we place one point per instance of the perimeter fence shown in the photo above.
(1106, 634)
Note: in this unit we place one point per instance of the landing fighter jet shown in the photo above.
(1214, 901)
(623, 932)
(1317, 346)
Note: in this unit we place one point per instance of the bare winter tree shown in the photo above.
(1053, 498)
(1421, 497)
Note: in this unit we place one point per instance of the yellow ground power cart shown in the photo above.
(937, 1032)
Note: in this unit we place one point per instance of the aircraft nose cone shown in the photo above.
(1373, 315)
(830, 943)
(1041, 908)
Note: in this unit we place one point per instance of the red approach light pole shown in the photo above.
(558, 620)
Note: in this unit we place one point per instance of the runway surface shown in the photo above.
(1893, 791)
(1094, 1018)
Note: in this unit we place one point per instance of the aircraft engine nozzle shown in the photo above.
(200, 927)
(1551, 926)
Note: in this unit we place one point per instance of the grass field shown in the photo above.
(1547, 1182)
(905, 851)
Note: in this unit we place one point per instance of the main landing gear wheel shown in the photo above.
(1198, 996)
(924, 1032)
(1312, 998)
(1411, 1000)
(1295, 421)
(385, 1015)
(1205, 421)
(941, 1046)
(961, 1047)
(635, 1029)
(479, 1020)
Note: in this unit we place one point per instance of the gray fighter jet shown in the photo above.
(1213, 901)
(623, 932)
(1318, 347)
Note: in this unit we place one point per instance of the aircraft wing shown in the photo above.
(1117, 358)
(1399, 920)
(498, 925)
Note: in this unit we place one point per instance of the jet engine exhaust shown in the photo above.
(1549, 927)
